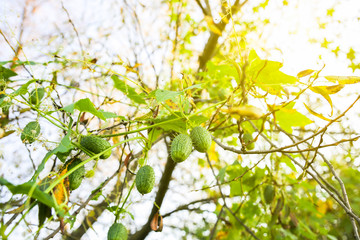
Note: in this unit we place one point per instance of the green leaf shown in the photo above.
(127, 90)
(288, 163)
(6, 73)
(162, 95)
(176, 125)
(25, 188)
(267, 76)
(85, 105)
(221, 72)
(221, 174)
(64, 148)
(111, 115)
(288, 118)
(23, 89)
(197, 120)
(194, 86)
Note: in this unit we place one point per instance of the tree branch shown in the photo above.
(163, 187)
(210, 46)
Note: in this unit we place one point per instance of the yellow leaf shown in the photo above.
(213, 155)
(248, 111)
(334, 89)
(323, 93)
(61, 191)
(322, 208)
(317, 114)
(305, 73)
(343, 79)
(171, 104)
(222, 235)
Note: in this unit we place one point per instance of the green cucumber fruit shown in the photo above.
(201, 138)
(247, 137)
(269, 193)
(117, 231)
(145, 179)
(30, 132)
(36, 96)
(77, 176)
(96, 145)
(181, 148)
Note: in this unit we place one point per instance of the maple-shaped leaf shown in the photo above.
(267, 75)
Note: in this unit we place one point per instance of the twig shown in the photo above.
(224, 199)
(75, 30)
(213, 230)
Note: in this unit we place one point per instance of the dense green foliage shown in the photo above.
(128, 81)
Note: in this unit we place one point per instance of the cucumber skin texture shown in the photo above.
(76, 177)
(36, 96)
(181, 148)
(201, 139)
(96, 145)
(269, 193)
(28, 135)
(247, 137)
(145, 179)
(117, 231)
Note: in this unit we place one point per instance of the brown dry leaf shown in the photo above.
(293, 219)
(126, 161)
(157, 222)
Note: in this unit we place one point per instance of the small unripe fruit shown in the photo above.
(36, 95)
(90, 174)
(30, 132)
(117, 231)
(96, 145)
(247, 137)
(269, 193)
(145, 179)
(77, 176)
(201, 139)
(181, 148)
